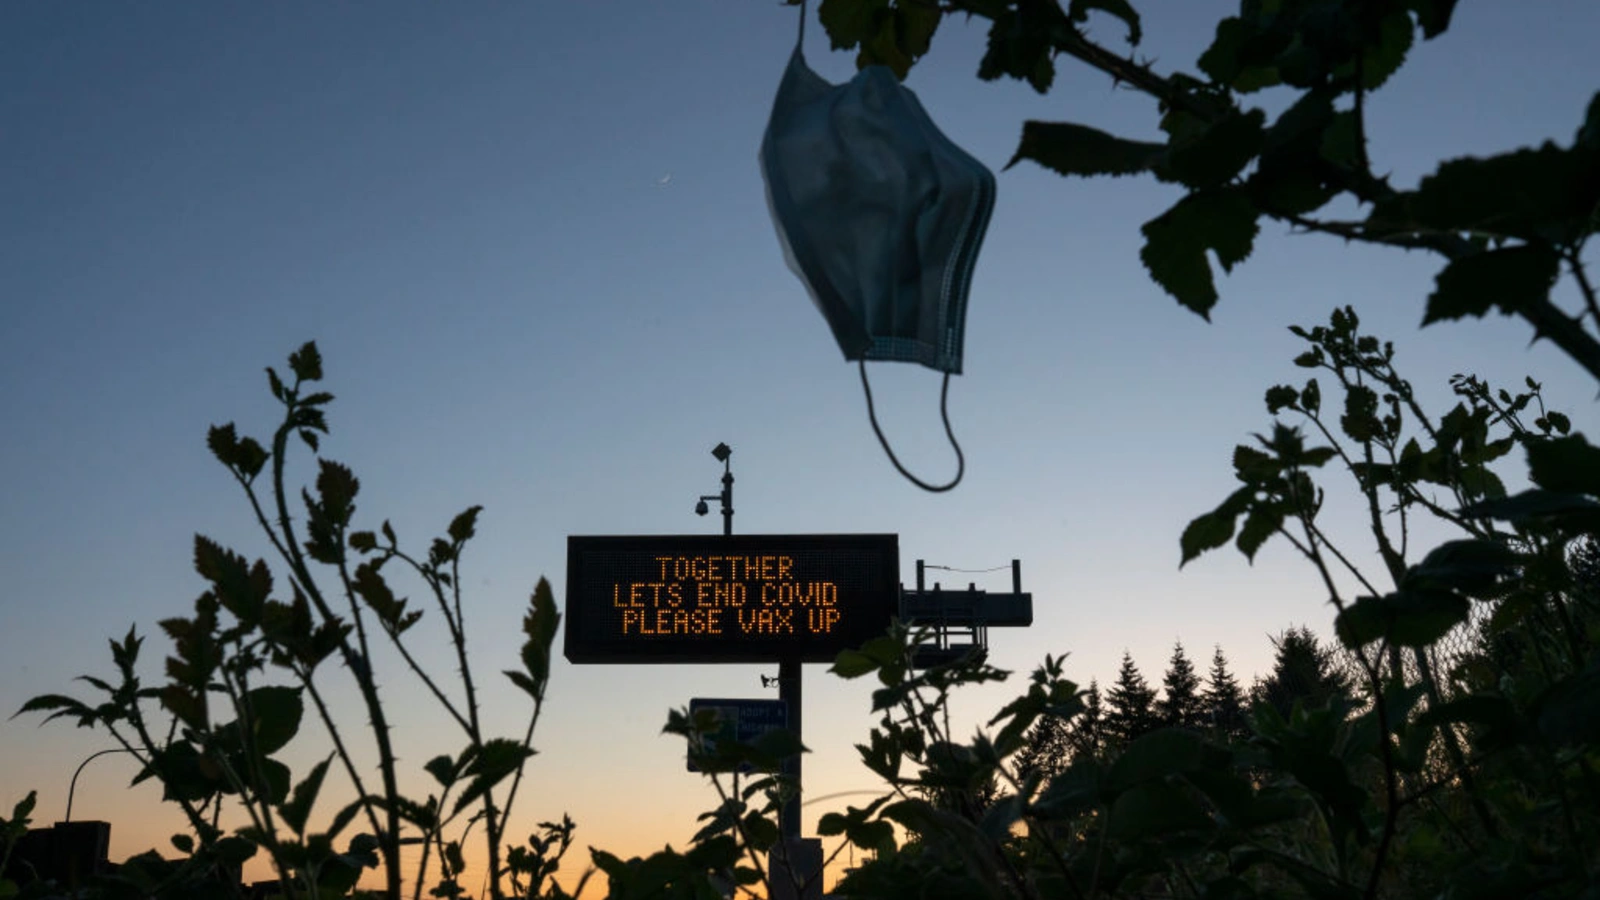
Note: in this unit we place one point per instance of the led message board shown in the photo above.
(711, 598)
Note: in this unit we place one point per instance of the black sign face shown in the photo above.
(745, 598)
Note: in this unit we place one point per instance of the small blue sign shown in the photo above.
(741, 721)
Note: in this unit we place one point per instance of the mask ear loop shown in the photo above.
(944, 414)
(944, 391)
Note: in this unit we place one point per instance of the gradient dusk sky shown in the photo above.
(531, 240)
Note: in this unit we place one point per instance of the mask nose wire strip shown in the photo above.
(944, 414)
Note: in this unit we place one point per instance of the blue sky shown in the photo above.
(531, 241)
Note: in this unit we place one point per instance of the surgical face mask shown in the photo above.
(881, 216)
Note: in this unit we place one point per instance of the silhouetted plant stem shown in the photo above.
(389, 838)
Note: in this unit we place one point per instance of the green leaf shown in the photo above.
(1432, 15)
(1019, 48)
(1215, 155)
(235, 851)
(1576, 512)
(464, 525)
(489, 765)
(275, 384)
(1384, 56)
(1262, 523)
(306, 363)
(1078, 11)
(337, 488)
(1153, 809)
(539, 626)
(298, 809)
(849, 22)
(1470, 566)
(1566, 464)
(1509, 279)
(1251, 466)
(275, 716)
(1545, 195)
(1311, 397)
(241, 591)
(1205, 532)
(370, 585)
(442, 768)
(1281, 396)
(1341, 141)
(852, 664)
(275, 779)
(1176, 242)
(1569, 713)
(1409, 618)
(1163, 752)
(1071, 149)
(63, 707)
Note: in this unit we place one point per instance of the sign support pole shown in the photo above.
(789, 691)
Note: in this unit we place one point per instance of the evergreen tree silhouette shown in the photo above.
(1223, 700)
(1180, 705)
(1047, 748)
(1130, 705)
(1304, 670)
(1088, 738)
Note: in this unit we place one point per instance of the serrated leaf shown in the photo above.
(1575, 510)
(1509, 279)
(1544, 195)
(298, 809)
(1018, 48)
(1242, 56)
(306, 363)
(1471, 566)
(1216, 154)
(849, 22)
(1067, 148)
(496, 759)
(1569, 712)
(1153, 809)
(1251, 465)
(852, 664)
(1384, 56)
(442, 768)
(1408, 618)
(539, 627)
(1165, 751)
(1078, 11)
(1432, 15)
(464, 525)
(1565, 464)
(1281, 396)
(275, 713)
(223, 441)
(1262, 523)
(1205, 532)
(1177, 241)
